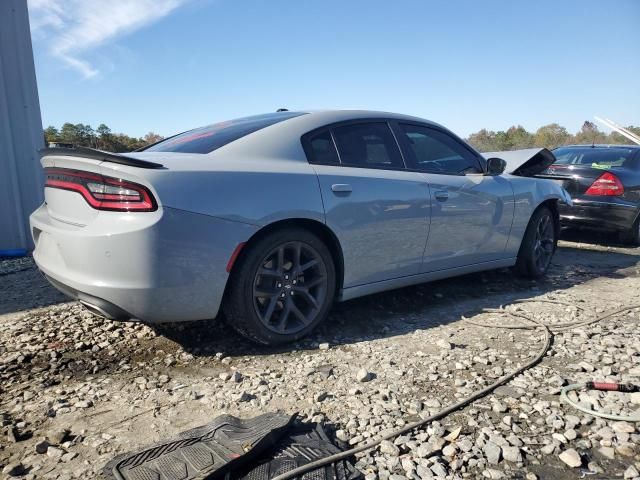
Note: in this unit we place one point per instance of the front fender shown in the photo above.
(529, 194)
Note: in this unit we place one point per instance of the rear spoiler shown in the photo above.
(94, 154)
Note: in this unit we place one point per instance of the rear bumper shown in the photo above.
(602, 214)
(167, 266)
(94, 304)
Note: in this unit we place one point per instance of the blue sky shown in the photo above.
(170, 65)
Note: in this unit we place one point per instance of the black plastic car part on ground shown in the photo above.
(207, 452)
(604, 183)
(302, 444)
(233, 449)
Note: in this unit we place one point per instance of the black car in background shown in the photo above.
(604, 182)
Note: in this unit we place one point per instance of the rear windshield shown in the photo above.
(209, 138)
(595, 157)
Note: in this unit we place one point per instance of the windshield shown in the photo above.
(209, 138)
(594, 157)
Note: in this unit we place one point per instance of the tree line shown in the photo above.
(516, 137)
(101, 138)
(548, 136)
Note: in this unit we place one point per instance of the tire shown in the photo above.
(529, 263)
(266, 299)
(632, 236)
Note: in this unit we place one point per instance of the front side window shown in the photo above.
(434, 151)
(369, 145)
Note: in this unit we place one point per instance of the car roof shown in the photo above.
(331, 116)
(282, 139)
(601, 145)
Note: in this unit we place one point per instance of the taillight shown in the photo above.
(606, 184)
(102, 193)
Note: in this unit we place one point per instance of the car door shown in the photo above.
(471, 213)
(378, 210)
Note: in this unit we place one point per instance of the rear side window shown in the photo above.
(367, 145)
(322, 150)
(207, 139)
(595, 157)
(434, 151)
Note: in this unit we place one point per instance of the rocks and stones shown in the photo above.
(493, 474)
(42, 447)
(55, 452)
(363, 375)
(56, 362)
(631, 472)
(571, 458)
(623, 427)
(607, 452)
(444, 344)
(492, 452)
(14, 469)
(58, 437)
(512, 454)
(389, 448)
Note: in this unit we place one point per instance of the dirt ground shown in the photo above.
(95, 388)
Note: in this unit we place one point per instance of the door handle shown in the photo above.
(341, 188)
(441, 195)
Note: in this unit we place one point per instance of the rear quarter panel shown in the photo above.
(257, 191)
(630, 178)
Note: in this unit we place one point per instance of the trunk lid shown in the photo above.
(575, 179)
(69, 206)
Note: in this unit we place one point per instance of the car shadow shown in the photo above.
(23, 287)
(423, 306)
(592, 237)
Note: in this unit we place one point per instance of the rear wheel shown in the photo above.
(632, 236)
(282, 287)
(538, 245)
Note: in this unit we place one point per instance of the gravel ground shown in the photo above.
(75, 390)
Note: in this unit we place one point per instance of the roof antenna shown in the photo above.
(282, 110)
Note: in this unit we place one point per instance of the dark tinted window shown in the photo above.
(436, 152)
(207, 139)
(322, 149)
(609, 157)
(367, 145)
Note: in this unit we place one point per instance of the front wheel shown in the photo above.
(282, 287)
(538, 245)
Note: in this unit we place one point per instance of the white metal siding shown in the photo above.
(21, 136)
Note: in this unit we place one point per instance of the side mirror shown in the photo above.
(495, 166)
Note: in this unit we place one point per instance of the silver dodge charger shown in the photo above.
(270, 218)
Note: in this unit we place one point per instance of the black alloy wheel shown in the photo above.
(545, 242)
(290, 287)
(281, 287)
(538, 244)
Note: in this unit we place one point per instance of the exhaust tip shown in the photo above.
(95, 305)
(96, 310)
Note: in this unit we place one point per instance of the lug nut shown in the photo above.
(279, 285)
